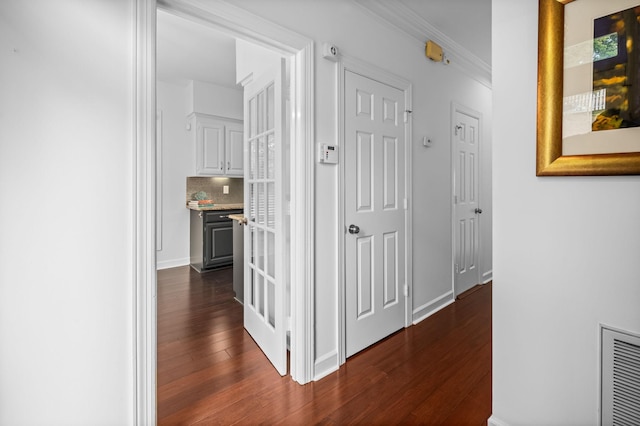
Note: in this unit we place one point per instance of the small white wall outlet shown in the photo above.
(225, 189)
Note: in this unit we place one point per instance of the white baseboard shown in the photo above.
(494, 421)
(430, 308)
(165, 264)
(487, 276)
(325, 365)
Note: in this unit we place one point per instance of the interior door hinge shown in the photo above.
(457, 268)
(288, 323)
(406, 115)
(406, 203)
(458, 127)
(406, 290)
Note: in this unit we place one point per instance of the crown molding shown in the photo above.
(401, 18)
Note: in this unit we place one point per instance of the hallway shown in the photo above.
(211, 372)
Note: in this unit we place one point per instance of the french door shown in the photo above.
(264, 283)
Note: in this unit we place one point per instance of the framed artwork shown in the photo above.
(588, 114)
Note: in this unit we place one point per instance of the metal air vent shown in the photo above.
(620, 379)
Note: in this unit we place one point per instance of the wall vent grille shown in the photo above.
(620, 378)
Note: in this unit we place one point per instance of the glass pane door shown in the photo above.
(264, 293)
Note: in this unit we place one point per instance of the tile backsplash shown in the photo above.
(213, 187)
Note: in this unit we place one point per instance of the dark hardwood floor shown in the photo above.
(211, 372)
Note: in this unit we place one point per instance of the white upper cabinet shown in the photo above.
(219, 145)
(233, 148)
(209, 147)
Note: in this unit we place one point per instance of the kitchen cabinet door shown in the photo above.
(218, 244)
(210, 147)
(219, 145)
(234, 140)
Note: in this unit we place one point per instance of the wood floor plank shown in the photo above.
(454, 389)
(210, 371)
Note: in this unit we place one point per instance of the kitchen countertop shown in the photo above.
(218, 207)
(238, 217)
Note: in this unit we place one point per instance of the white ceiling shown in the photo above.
(192, 51)
(188, 50)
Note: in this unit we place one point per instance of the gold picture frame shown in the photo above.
(549, 158)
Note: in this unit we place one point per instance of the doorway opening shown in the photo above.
(245, 26)
(210, 64)
(201, 76)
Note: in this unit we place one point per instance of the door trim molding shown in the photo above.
(245, 25)
(456, 108)
(144, 214)
(373, 72)
(302, 266)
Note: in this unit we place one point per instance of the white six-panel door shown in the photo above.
(466, 208)
(374, 211)
(264, 284)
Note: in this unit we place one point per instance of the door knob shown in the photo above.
(354, 229)
(478, 211)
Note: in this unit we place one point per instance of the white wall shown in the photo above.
(566, 251)
(251, 57)
(435, 86)
(178, 162)
(66, 231)
(215, 100)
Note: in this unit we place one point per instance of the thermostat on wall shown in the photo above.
(328, 154)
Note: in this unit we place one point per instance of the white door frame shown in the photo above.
(365, 69)
(456, 108)
(244, 25)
